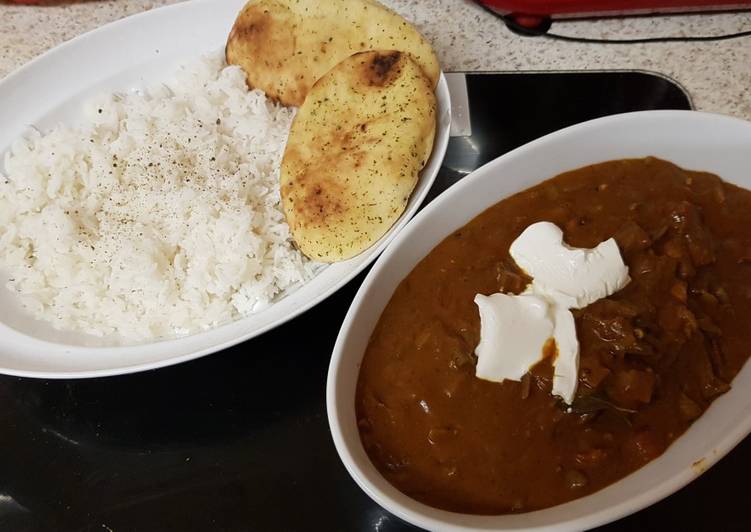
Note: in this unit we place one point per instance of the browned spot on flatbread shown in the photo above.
(381, 68)
(358, 157)
(321, 200)
(256, 26)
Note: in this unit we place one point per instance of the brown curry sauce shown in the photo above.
(653, 356)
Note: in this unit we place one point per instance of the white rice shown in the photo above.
(159, 216)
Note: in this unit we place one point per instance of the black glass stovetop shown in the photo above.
(239, 440)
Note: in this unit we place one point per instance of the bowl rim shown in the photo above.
(428, 517)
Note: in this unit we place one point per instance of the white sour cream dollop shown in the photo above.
(514, 328)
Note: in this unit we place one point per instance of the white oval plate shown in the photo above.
(698, 141)
(128, 54)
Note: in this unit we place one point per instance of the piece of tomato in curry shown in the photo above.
(653, 356)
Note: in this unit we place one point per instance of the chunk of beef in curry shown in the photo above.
(653, 356)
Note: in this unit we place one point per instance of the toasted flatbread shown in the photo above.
(285, 46)
(355, 151)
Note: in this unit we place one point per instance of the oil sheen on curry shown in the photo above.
(653, 355)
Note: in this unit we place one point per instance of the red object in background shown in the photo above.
(42, 2)
(557, 9)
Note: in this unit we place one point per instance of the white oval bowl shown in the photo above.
(697, 141)
(132, 53)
